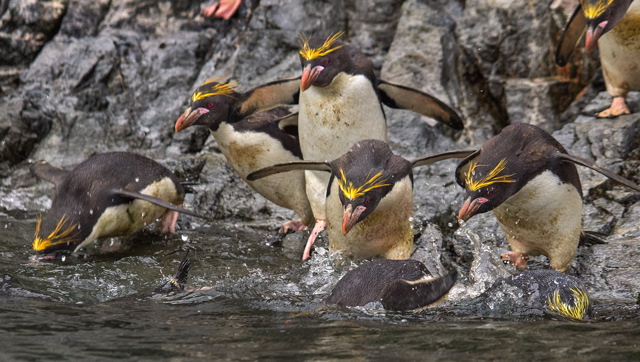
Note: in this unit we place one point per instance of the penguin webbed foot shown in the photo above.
(618, 108)
(168, 223)
(515, 258)
(222, 9)
(292, 226)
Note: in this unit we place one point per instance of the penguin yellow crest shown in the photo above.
(56, 237)
(218, 89)
(488, 179)
(593, 9)
(576, 311)
(309, 53)
(351, 192)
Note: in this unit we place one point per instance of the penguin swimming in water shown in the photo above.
(397, 284)
(532, 186)
(369, 199)
(252, 140)
(340, 103)
(109, 194)
(614, 25)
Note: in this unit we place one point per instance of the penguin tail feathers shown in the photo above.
(406, 295)
(43, 170)
(589, 238)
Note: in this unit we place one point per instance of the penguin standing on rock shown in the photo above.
(615, 26)
(397, 284)
(369, 199)
(251, 140)
(340, 103)
(531, 183)
(109, 194)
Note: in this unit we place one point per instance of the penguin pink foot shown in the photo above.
(317, 229)
(515, 258)
(618, 107)
(292, 225)
(222, 9)
(169, 220)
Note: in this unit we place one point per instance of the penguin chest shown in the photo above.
(544, 217)
(386, 232)
(251, 151)
(620, 53)
(333, 118)
(127, 218)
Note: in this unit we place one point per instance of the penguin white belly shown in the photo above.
(131, 217)
(620, 54)
(251, 151)
(386, 232)
(544, 217)
(331, 120)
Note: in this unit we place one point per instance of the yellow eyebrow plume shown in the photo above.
(56, 237)
(488, 179)
(219, 89)
(351, 192)
(309, 53)
(576, 311)
(593, 10)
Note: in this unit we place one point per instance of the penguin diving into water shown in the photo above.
(614, 25)
(252, 140)
(532, 186)
(109, 194)
(369, 199)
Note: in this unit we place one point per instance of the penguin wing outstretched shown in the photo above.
(399, 96)
(590, 164)
(269, 95)
(43, 170)
(427, 160)
(411, 294)
(290, 166)
(571, 35)
(154, 200)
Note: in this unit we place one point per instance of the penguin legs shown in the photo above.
(516, 258)
(292, 225)
(317, 228)
(618, 107)
(169, 220)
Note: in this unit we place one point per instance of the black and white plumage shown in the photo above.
(614, 25)
(251, 139)
(369, 199)
(109, 194)
(532, 186)
(397, 284)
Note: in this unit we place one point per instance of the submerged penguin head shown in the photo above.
(56, 235)
(322, 59)
(209, 106)
(488, 185)
(601, 16)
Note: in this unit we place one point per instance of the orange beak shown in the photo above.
(189, 117)
(469, 208)
(309, 75)
(350, 217)
(592, 36)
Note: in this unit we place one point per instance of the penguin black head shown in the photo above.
(322, 59)
(209, 106)
(506, 163)
(600, 17)
(365, 175)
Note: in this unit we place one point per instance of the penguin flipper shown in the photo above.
(289, 166)
(405, 295)
(43, 170)
(610, 174)
(155, 200)
(399, 96)
(290, 120)
(589, 238)
(571, 35)
(178, 281)
(427, 160)
(269, 95)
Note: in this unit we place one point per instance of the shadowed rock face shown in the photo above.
(80, 77)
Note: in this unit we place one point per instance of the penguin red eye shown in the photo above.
(210, 105)
(326, 62)
(366, 202)
(489, 193)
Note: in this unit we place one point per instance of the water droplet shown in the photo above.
(184, 237)
(90, 211)
(137, 179)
